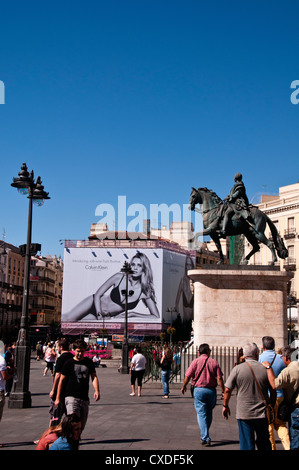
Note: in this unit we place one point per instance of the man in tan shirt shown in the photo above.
(250, 409)
(288, 381)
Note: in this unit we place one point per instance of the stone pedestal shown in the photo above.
(234, 305)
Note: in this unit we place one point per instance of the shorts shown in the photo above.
(78, 407)
(57, 412)
(137, 374)
(50, 365)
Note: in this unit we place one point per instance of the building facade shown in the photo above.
(11, 285)
(45, 289)
(283, 210)
(45, 293)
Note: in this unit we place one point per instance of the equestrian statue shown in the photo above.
(235, 216)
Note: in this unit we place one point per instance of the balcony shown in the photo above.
(41, 292)
(290, 264)
(41, 279)
(292, 299)
(37, 306)
(11, 287)
(290, 233)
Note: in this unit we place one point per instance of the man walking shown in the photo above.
(276, 362)
(251, 409)
(64, 356)
(74, 382)
(206, 373)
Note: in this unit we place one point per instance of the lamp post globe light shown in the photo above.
(20, 397)
(126, 269)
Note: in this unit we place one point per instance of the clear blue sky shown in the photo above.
(143, 98)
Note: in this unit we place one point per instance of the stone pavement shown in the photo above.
(119, 422)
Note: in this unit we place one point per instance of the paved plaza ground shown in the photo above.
(119, 422)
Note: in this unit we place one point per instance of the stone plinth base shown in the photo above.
(234, 305)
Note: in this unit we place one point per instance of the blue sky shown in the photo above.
(143, 98)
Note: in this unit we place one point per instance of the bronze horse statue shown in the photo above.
(213, 208)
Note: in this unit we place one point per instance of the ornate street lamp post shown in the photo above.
(126, 269)
(20, 397)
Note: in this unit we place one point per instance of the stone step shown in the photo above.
(115, 362)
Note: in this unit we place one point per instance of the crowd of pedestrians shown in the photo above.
(263, 384)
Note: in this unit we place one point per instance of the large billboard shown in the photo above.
(94, 288)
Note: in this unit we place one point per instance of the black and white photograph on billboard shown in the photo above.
(178, 295)
(95, 286)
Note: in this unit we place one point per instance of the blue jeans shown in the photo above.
(165, 375)
(294, 429)
(249, 428)
(204, 403)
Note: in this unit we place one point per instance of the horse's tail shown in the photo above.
(281, 249)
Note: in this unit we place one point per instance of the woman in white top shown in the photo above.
(137, 370)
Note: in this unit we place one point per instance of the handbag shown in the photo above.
(286, 407)
(195, 380)
(268, 407)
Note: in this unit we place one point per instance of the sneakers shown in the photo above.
(206, 443)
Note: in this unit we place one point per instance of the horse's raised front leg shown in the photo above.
(204, 232)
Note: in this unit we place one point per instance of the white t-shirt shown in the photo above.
(2, 368)
(138, 361)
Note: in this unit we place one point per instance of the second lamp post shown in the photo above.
(126, 269)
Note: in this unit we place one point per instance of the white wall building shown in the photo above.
(283, 210)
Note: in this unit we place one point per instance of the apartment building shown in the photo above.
(11, 287)
(45, 293)
(45, 289)
(283, 210)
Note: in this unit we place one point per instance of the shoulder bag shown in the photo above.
(286, 407)
(195, 380)
(268, 407)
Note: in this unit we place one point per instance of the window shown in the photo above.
(291, 223)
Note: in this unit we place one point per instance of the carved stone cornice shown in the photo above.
(276, 210)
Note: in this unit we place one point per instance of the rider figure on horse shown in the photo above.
(237, 204)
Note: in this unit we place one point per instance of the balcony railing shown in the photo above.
(290, 233)
(41, 292)
(290, 264)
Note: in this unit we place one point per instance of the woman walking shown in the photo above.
(166, 364)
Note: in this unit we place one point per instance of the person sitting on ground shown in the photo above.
(96, 360)
(48, 437)
(70, 434)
